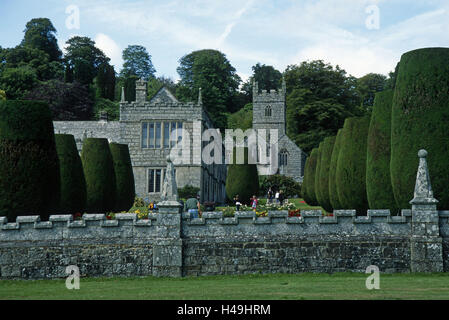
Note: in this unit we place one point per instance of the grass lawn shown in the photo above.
(253, 287)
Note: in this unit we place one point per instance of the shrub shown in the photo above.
(378, 179)
(138, 202)
(290, 187)
(73, 184)
(323, 174)
(242, 179)
(419, 121)
(351, 165)
(29, 166)
(188, 192)
(100, 176)
(309, 179)
(124, 177)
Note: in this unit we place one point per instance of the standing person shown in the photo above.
(254, 203)
(281, 197)
(192, 206)
(237, 202)
(270, 195)
(277, 196)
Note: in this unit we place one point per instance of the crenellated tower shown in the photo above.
(269, 108)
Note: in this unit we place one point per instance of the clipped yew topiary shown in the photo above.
(378, 179)
(99, 172)
(318, 195)
(242, 179)
(323, 176)
(29, 166)
(309, 178)
(333, 194)
(73, 184)
(124, 177)
(420, 114)
(351, 165)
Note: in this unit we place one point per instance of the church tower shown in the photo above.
(269, 109)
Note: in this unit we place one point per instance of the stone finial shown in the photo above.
(423, 189)
(123, 95)
(169, 189)
(200, 98)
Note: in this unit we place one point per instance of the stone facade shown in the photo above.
(174, 244)
(269, 113)
(149, 162)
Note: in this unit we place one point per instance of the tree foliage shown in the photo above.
(67, 101)
(319, 99)
(242, 119)
(368, 86)
(137, 62)
(84, 59)
(267, 78)
(211, 71)
(124, 177)
(41, 34)
(277, 182)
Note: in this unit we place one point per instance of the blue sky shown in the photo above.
(278, 33)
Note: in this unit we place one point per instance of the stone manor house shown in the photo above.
(151, 128)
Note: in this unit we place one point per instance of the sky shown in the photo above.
(361, 36)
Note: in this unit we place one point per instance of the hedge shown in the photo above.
(420, 116)
(309, 178)
(29, 166)
(100, 176)
(333, 193)
(242, 179)
(378, 179)
(351, 165)
(124, 177)
(323, 175)
(73, 184)
(319, 197)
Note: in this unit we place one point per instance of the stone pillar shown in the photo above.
(167, 251)
(426, 243)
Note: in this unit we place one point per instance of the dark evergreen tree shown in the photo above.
(419, 121)
(29, 166)
(124, 177)
(73, 183)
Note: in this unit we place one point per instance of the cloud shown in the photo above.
(110, 48)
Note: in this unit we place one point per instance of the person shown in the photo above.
(270, 195)
(277, 196)
(192, 206)
(237, 202)
(281, 197)
(254, 202)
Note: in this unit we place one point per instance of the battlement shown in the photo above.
(127, 225)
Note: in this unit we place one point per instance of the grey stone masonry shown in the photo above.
(426, 243)
(173, 244)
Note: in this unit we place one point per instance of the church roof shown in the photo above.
(164, 96)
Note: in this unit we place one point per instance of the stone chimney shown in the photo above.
(141, 91)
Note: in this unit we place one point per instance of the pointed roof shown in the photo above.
(163, 96)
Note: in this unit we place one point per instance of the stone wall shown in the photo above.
(172, 244)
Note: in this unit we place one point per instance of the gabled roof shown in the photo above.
(163, 96)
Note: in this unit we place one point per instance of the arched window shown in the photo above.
(283, 158)
(268, 111)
